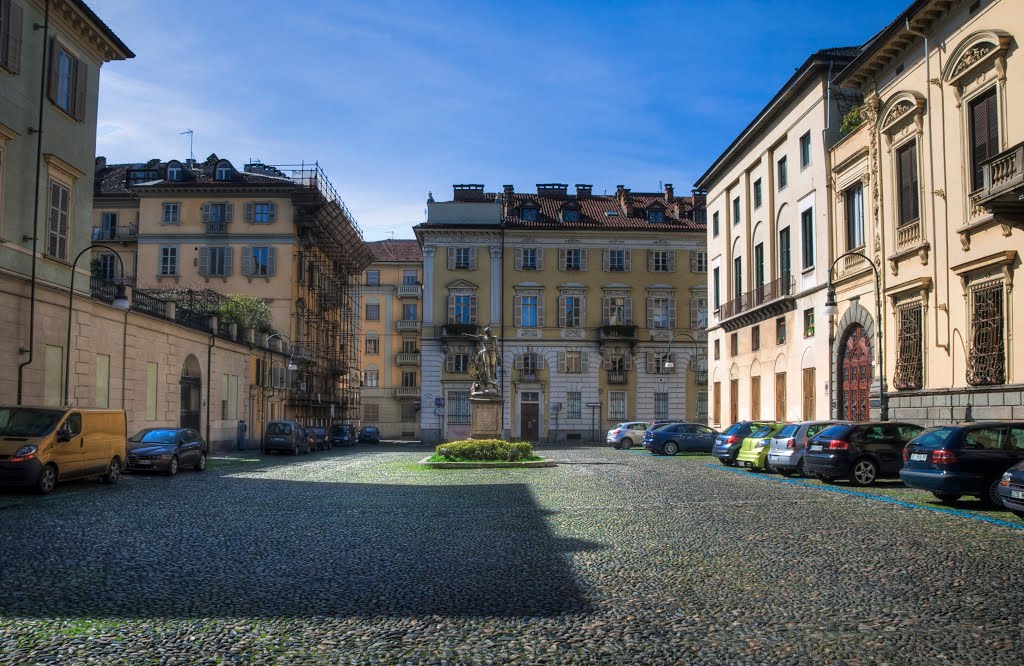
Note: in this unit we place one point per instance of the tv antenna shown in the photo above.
(191, 155)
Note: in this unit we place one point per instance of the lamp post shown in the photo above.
(668, 355)
(291, 366)
(120, 303)
(832, 309)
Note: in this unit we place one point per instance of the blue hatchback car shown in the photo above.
(674, 437)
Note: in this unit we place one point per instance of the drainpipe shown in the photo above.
(828, 209)
(209, 383)
(45, 27)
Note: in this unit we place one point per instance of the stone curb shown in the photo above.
(485, 465)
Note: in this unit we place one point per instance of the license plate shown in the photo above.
(1017, 494)
(143, 463)
(774, 457)
(743, 463)
(922, 457)
(815, 447)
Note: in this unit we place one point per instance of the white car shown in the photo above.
(625, 435)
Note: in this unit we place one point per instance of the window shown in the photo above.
(462, 309)
(371, 378)
(661, 312)
(718, 291)
(570, 313)
(780, 331)
(174, 172)
(372, 278)
(755, 338)
(373, 312)
(408, 412)
(530, 364)
(58, 220)
(573, 405)
(660, 261)
(261, 261)
(759, 268)
(908, 375)
(785, 265)
(714, 223)
(906, 167)
(757, 193)
(734, 344)
(656, 215)
(410, 278)
(215, 261)
(984, 138)
(527, 314)
(718, 350)
(463, 258)
(528, 214)
(371, 412)
(807, 237)
(805, 150)
(570, 215)
(106, 266)
(529, 259)
(783, 176)
(737, 277)
(260, 212)
(457, 362)
(171, 213)
(661, 405)
(986, 360)
(409, 346)
(809, 323)
(409, 379)
(698, 262)
(68, 80)
(573, 260)
(698, 312)
(572, 362)
(617, 310)
(616, 405)
(216, 216)
(458, 407)
(168, 261)
(409, 312)
(11, 22)
(657, 363)
(372, 345)
(108, 227)
(223, 171)
(854, 199)
(736, 211)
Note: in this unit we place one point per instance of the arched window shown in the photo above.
(174, 170)
(224, 170)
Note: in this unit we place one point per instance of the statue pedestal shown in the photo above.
(485, 417)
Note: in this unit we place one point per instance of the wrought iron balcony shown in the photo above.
(618, 332)
(127, 233)
(408, 358)
(771, 299)
(409, 291)
(408, 325)
(460, 330)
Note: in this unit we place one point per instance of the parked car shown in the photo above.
(786, 455)
(166, 450)
(1011, 488)
(674, 437)
(369, 434)
(754, 448)
(965, 459)
(625, 435)
(342, 434)
(861, 452)
(40, 446)
(286, 436)
(727, 443)
(318, 438)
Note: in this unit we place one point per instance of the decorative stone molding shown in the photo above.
(527, 332)
(495, 252)
(903, 107)
(975, 268)
(572, 333)
(981, 50)
(916, 288)
(429, 250)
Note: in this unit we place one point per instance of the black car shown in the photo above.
(286, 436)
(728, 443)
(166, 450)
(369, 434)
(674, 437)
(318, 438)
(342, 434)
(964, 459)
(860, 452)
(1011, 488)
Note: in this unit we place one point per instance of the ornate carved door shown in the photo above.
(856, 377)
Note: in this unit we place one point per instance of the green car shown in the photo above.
(754, 449)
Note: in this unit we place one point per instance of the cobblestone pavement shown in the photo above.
(359, 556)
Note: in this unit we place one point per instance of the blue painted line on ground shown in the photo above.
(878, 498)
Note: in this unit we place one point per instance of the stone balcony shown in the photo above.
(407, 392)
(768, 300)
(410, 291)
(408, 358)
(404, 325)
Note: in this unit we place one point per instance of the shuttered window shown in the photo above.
(259, 261)
(661, 312)
(617, 310)
(11, 25)
(529, 311)
(462, 258)
(68, 80)
(984, 135)
(57, 221)
(570, 311)
(261, 212)
(906, 161)
(215, 261)
(461, 309)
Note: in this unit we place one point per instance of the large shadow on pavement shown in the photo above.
(226, 546)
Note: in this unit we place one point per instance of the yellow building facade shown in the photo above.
(599, 303)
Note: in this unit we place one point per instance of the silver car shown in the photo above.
(786, 455)
(626, 435)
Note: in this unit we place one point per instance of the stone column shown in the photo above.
(428, 285)
(495, 315)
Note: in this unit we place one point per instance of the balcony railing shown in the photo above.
(408, 358)
(1004, 172)
(702, 376)
(908, 235)
(754, 298)
(408, 325)
(529, 376)
(407, 392)
(617, 377)
(115, 233)
(216, 227)
(460, 330)
(409, 291)
(618, 332)
(852, 263)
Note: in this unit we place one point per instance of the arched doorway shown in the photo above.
(855, 377)
(191, 393)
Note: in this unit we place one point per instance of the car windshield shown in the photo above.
(319, 432)
(278, 428)
(933, 438)
(763, 431)
(834, 431)
(155, 436)
(788, 431)
(370, 430)
(738, 429)
(338, 430)
(27, 422)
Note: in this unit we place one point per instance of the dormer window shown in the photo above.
(570, 214)
(223, 171)
(528, 214)
(174, 171)
(656, 215)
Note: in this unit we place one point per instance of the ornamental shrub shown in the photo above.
(485, 449)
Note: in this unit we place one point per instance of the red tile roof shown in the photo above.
(396, 249)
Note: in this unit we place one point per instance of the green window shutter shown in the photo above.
(671, 313)
(52, 83)
(650, 313)
(81, 88)
(13, 32)
(249, 207)
(272, 261)
(650, 261)
(606, 260)
(449, 362)
(451, 305)
(451, 258)
(204, 261)
(472, 258)
(519, 364)
(472, 309)
(671, 261)
(561, 312)
(561, 259)
(585, 361)
(273, 212)
(246, 261)
(627, 311)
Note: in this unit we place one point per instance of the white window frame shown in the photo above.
(171, 213)
(169, 266)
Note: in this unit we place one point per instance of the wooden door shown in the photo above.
(734, 400)
(528, 426)
(780, 396)
(856, 375)
(808, 394)
(755, 398)
(718, 403)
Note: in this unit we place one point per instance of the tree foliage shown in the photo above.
(246, 312)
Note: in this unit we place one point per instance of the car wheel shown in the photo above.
(864, 472)
(172, 467)
(626, 443)
(113, 473)
(47, 480)
(201, 464)
(728, 462)
(946, 498)
(801, 469)
(991, 498)
(671, 448)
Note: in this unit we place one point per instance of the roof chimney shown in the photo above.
(551, 189)
(508, 189)
(622, 194)
(584, 190)
(669, 193)
(468, 192)
(101, 163)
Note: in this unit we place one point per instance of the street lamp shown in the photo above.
(832, 309)
(669, 365)
(120, 303)
(291, 348)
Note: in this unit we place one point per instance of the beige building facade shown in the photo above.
(599, 303)
(929, 186)
(770, 248)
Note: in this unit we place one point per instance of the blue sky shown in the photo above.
(395, 99)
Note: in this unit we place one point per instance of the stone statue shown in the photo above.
(485, 364)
